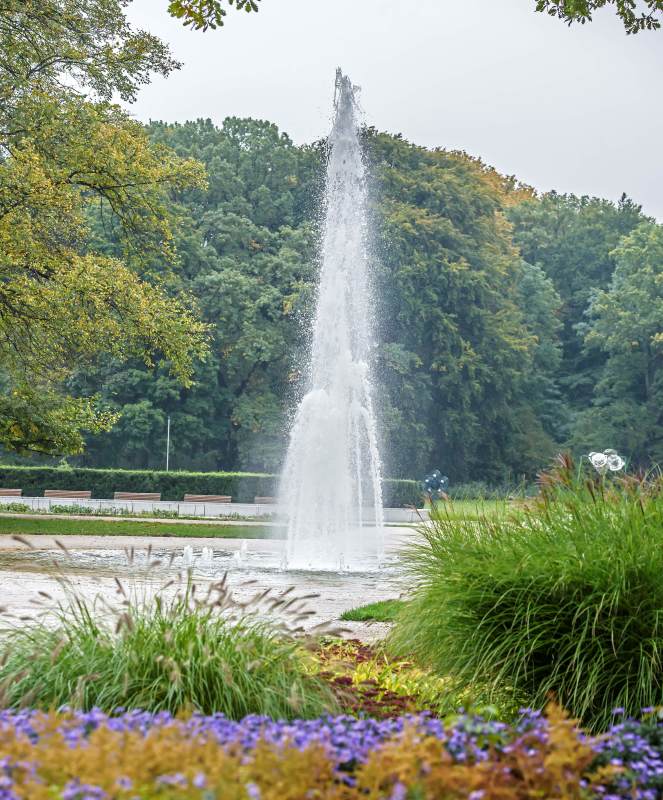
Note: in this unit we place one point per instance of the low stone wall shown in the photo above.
(205, 510)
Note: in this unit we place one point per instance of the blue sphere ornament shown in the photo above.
(435, 485)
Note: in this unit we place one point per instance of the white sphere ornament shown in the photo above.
(615, 462)
(599, 461)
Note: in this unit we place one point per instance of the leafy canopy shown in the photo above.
(206, 14)
(469, 341)
(485, 367)
(67, 154)
(634, 20)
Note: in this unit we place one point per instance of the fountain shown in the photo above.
(240, 555)
(331, 483)
(187, 556)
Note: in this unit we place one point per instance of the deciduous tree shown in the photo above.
(66, 152)
(626, 323)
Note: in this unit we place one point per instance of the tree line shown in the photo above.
(169, 271)
(510, 324)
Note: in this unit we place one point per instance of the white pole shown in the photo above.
(168, 444)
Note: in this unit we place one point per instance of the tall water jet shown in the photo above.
(331, 485)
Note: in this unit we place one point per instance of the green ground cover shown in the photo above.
(382, 611)
(105, 527)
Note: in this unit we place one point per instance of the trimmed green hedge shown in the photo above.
(398, 493)
(243, 486)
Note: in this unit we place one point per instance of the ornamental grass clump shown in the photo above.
(561, 598)
(181, 647)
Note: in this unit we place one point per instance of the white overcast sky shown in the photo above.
(573, 109)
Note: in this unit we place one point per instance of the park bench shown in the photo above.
(11, 492)
(264, 500)
(149, 496)
(207, 498)
(71, 494)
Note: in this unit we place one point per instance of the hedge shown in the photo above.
(242, 486)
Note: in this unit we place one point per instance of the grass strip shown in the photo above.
(473, 510)
(106, 527)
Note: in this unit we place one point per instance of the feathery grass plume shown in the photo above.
(162, 647)
(563, 598)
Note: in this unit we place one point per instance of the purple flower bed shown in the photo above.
(347, 739)
(637, 746)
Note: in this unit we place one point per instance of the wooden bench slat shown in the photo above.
(154, 496)
(264, 500)
(11, 492)
(79, 494)
(207, 498)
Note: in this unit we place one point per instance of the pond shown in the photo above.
(32, 579)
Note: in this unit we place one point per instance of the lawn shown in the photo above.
(382, 611)
(107, 527)
(477, 509)
(461, 510)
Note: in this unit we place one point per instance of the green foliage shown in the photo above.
(382, 611)
(41, 419)
(247, 255)
(605, 263)
(647, 17)
(371, 683)
(241, 486)
(90, 41)
(483, 366)
(401, 493)
(67, 153)
(465, 361)
(491, 351)
(206, 14)
(563, 599)
(626, 324)
(458, 344)
(573, 241)
(170, 653)
(14, 508)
